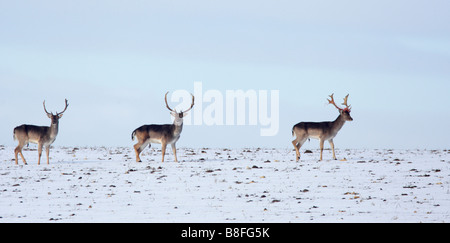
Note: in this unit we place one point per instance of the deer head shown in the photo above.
(55, 118)
(345, 112)
(178, 115)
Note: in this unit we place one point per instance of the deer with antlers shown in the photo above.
(321, 130)
(41, 135)
(163, 134)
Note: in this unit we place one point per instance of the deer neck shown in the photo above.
(54, 129)
(178, 125)
(338, 123)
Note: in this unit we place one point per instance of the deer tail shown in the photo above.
(14, 135)
(133, 134)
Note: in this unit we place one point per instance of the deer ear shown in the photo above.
(60, 115)
(174, 114)
(49, 115)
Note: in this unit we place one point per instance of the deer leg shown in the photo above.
(39, 153)
(18, 150)
(138, 150)
(298, 143)
(47, 150)
(321, 149)
(332, 147)
(296, 147)
(23, 158)
(174, 150)
(163, 149)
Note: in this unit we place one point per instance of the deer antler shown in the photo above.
(348, 107)
(65, 108)
(333, 103)
(167, 105)
(192, 105)
(48, 113)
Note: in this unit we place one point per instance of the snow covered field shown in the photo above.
(105, 184)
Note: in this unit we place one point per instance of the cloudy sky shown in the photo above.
(115, 60)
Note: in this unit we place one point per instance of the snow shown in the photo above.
(105, 184)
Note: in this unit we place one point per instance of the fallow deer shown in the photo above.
(41, 135)
(321, 130)
(163, 134)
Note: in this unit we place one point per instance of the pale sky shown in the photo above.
(115, 60)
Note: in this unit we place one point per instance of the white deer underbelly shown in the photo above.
(158, 140)
(314, 136)
(31, 140)
(155, 140)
